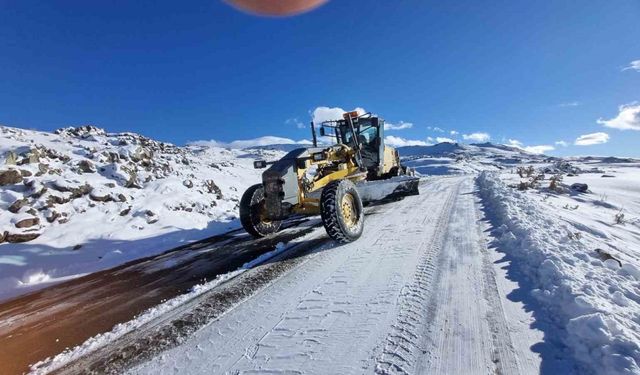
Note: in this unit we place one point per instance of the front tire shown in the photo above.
(252, 213)
(341, 211)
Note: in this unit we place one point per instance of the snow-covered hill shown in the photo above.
(457, 158)
(80, 200)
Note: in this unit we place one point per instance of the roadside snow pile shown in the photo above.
(80, 200)
(591, 297)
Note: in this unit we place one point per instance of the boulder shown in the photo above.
(10, 177)
(188, 183)
(42, 169)
(212, 188)
(53, 215)
(27, 222)
(86, 166)
(75, 190)
(100, 196)
(151, 216)
(21, 237)
(3, 236)
(11, 158)
(580, 187)
(17, 205)
(25, 173)
(125, 211)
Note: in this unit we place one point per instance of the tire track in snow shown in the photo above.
(328, 316)
(466, 329)
(403, 343)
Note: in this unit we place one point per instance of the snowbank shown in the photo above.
(81, 200)
(593, 302)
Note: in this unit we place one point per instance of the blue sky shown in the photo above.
(536, 72)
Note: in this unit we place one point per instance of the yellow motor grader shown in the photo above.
(333, 180)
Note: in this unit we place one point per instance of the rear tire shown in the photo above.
(341, 211)
(251, 208)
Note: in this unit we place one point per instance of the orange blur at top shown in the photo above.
(276, 7)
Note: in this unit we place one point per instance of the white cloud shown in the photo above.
(294, 121)
(435, 129)
(321, 114)
(454, 132)
(444, 139)
(570, 104)
(539, 149)
(246, 143)
(399, 126)
(514, 143)
(592, 139)
(628, 118)
(477, 137)
(562, 143)
(634, 65)
(394, 141)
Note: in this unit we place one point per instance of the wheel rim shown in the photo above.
(349, 210)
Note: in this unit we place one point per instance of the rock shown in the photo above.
(38, 193)
(75, 190)
(110, 185)
(56, 199)
(17, 205)
(86, 166)
(21, 237)
(125, 211)
(607, 175)
(28, 222)
(10, 177)
(212, 188)
(11, 158)
(25, 173)
(579, 187)
(122, 197)
(53, 216)
(31, 158)
(77, 247)
(151, 217)
(188, 183)
(42, 169)
(100, 196)
(3, 236)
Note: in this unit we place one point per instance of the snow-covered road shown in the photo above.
(416, 294)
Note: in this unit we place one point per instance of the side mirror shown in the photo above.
(322, 132)
(259, 164)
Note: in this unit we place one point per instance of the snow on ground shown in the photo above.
(81, 200)
(577, 261)
(454, 158)
(86, 200)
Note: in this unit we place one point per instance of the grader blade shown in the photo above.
(395, 187)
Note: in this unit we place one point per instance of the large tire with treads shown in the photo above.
(251, 204)
(341, 211)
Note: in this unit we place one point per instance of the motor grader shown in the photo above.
(334, 180)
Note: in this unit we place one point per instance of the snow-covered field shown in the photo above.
(82, 200)
(508, 262)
